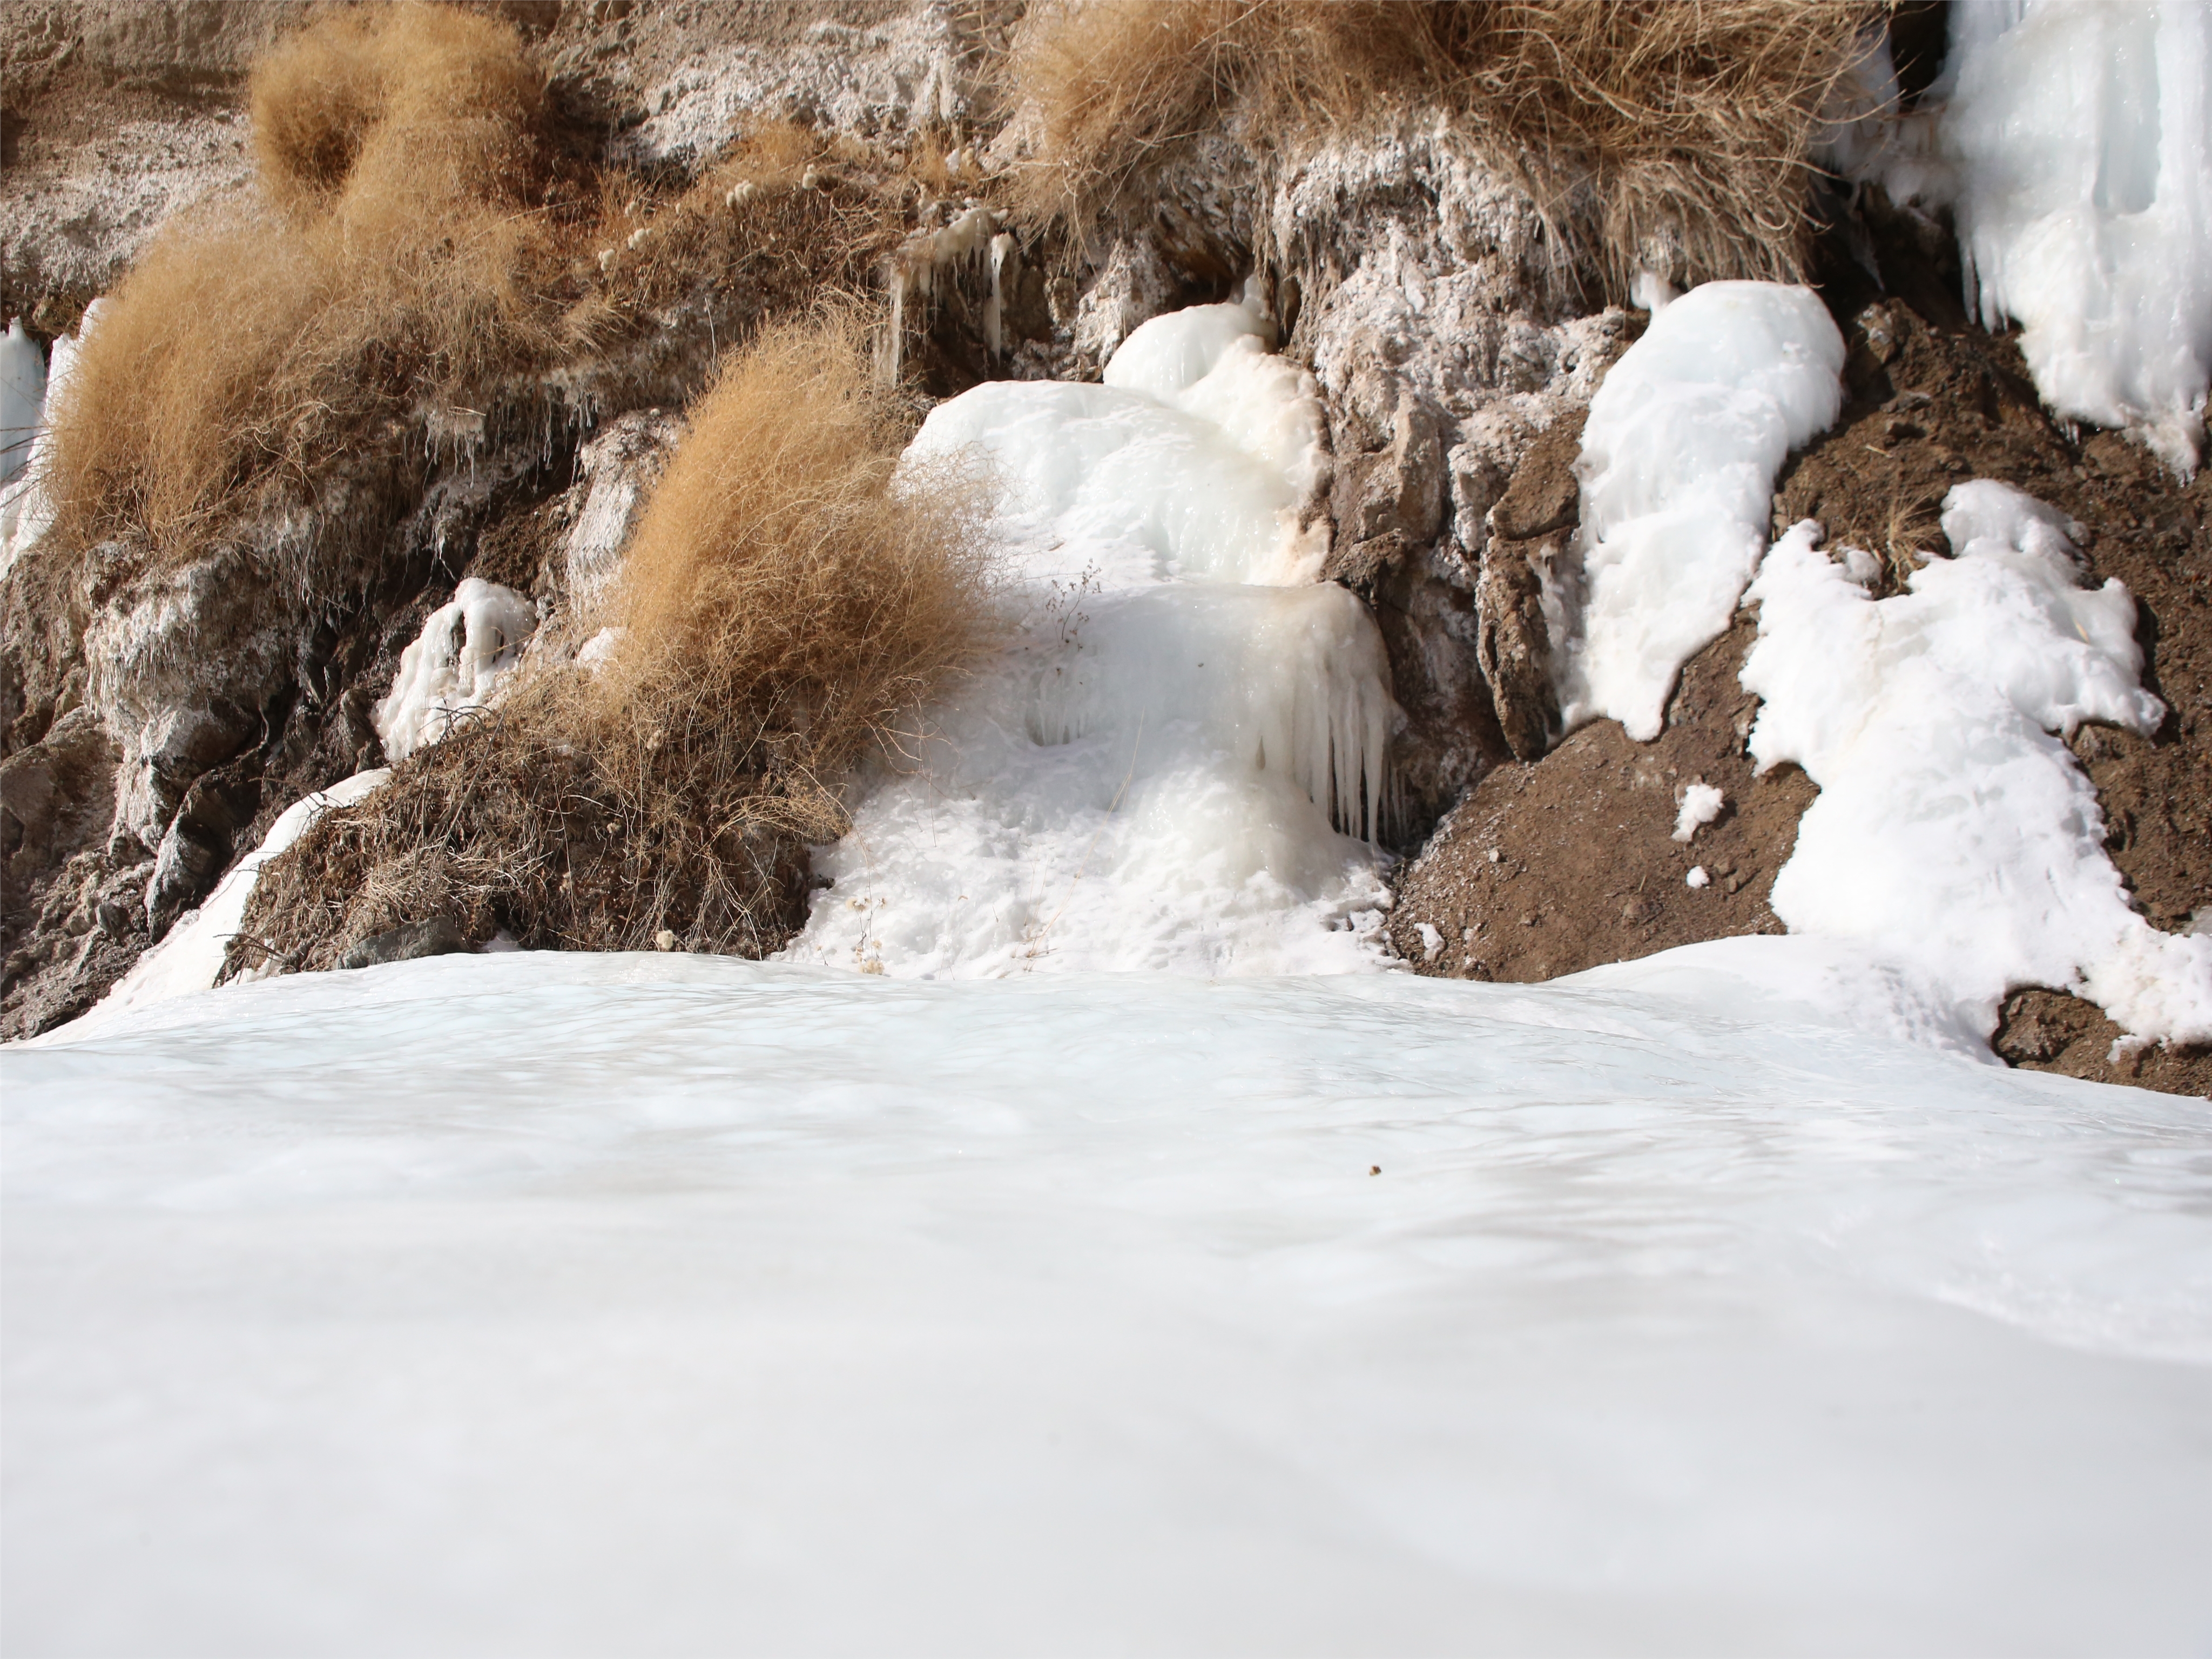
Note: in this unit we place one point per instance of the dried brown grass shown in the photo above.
(394, 269)
(1646, 129)
(786, 609)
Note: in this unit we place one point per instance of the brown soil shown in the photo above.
(1550, 868)
(1585, 870)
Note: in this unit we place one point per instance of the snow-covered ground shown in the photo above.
(542, 1304)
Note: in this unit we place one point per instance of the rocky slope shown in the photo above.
(152, 726)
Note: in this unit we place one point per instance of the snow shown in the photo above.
(467, 647)
(189, 957)
(1697, 877)
(1177, 762)
(2074, 143)
(1677, 471)
(1953, 828)
(579, 1304)
(1701, 804)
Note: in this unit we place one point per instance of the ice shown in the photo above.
(25, 510)
(1677, 470)
(2082, 136)
(551, 1304)
(22, 398)
(2073, 142)
(1701, 804)
(189, 957)
(1953, 828)
(467, 647)
(1176, 763)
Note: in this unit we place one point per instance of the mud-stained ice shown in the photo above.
(1177, 760)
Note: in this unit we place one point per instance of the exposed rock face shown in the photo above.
(153, 723)
(1426, 293)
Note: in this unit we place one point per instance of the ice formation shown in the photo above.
(557, 1303)
(1677, 468)
(1954, 828)
(466, 648)
(23, 397)
(25, 512)
(189, 957)
(1701, 804)
(2073, 142)
(1178, 760)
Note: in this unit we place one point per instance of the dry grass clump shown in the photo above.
(785, 608)
(784, 213)
(395, 271)
(1635, 123)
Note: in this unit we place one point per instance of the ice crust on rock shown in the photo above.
(1177, 762)
(189, 957)
(466, 648)
(1677, 468)
(1954, 828)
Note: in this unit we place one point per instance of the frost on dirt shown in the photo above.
(1177, 760)
(1677, 468)
(469, 645)
(2074, 144)
(1953, 828)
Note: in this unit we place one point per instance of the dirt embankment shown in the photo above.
(1570, 862)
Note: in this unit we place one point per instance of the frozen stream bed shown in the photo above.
(540, 1304)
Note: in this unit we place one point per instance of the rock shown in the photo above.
(438, 937)
(1133, 286)
(1513, 644)
(198, 845)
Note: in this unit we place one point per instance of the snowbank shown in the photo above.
(1953, 830)
(469, 645)
(1677, 470)
(596, 1303)
(1178, 762)
(189, 957)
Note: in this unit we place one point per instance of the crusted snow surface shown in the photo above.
(1677, 468)
(553, 1303)
(2073, 142)
(1953, 828)
(1177, 762)
(467, 647)
(189, 957)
